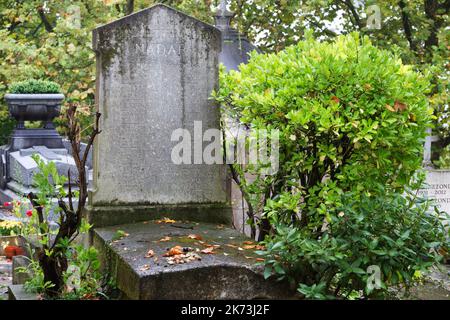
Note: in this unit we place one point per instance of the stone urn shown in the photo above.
(34, 107)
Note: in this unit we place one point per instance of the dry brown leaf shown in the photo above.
(150, 254)
(248, 242)
(335, 99)
(183, 258)
(209, 250)
(174, 251)
(399, 106)
(260, 259)
(165, 239)
(231, 245)
(260, 247)
(195, 237)
(247, 247)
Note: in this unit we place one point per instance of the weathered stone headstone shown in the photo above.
(155, 73)
(156, 70)
(437, 181)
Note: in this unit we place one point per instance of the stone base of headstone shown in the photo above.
(102, 216)
(17, 292)
(230, 273)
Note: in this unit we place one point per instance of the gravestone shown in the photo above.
(437, 181)
(156, 70)
(438, 188)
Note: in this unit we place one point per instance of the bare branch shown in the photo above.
(407, 25)
(44, 19)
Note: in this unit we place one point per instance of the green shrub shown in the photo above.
(351, 121)
(397, 235)
(35, 86)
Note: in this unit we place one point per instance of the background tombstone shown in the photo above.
(437, 181)
(156, 70)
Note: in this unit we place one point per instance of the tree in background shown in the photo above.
(52, 39)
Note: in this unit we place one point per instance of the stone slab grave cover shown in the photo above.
(156, 70)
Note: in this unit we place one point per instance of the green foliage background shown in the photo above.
(52, 39)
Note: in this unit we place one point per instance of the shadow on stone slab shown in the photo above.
(104, 216)
(230, 273)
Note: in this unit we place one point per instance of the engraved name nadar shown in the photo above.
(159, 50)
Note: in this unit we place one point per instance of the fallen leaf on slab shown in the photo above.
(260, 247)
(231, 245)
(195, 237)
(260, 259)
(165, 239)
(247, 247)
(119, 234)
(209, 250)
(183, 258)
(150, 254)
(248, 242)
(246, 257)
(165, 220)
(211, 245)
(174, 251)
